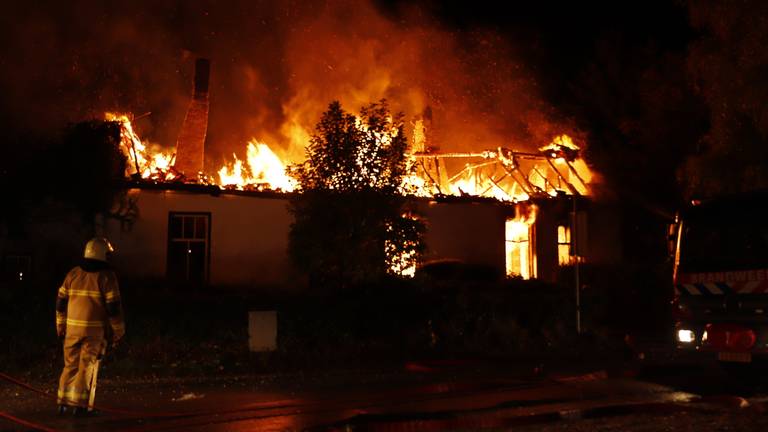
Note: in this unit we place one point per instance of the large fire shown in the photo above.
(519, 252)
(264, 171)
(142, 162)
(503, 174)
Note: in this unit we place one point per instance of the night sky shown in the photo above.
(666, 97)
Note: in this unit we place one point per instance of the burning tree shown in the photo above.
(351, 223)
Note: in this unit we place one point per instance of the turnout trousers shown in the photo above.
(81, 361)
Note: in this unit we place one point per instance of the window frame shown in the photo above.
(530, 247)
(207, 240)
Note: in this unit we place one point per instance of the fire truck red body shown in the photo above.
(721, 278)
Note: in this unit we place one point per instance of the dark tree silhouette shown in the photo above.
(22, 185)
(80, 169)
(88, 167)
(352, 225)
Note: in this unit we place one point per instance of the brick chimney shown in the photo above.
(190, 146)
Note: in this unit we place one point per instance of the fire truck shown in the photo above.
(720, 304)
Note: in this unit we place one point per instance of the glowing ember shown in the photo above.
(405, 265)
(401, 262)
(416, 186)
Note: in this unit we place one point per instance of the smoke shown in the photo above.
(64, 62)
(727, 66)
(275, 66)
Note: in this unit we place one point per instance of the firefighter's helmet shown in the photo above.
(98, 248)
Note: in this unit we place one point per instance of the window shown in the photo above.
(189, 245)
(564, 256)
(565, 248)
(521, 259)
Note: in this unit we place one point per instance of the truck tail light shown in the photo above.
(730, 337)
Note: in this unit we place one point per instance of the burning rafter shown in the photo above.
(503, 173)
(506, 174)
(142, 162)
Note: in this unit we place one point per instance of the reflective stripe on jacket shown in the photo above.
(88, 303)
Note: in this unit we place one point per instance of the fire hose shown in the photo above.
(268, 406)
(42, 393)
(274, 405)
(26, 423)
(282, 404)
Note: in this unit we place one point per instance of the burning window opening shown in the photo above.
(565, 247)
(520, 244)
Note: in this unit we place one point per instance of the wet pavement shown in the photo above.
(418, 396)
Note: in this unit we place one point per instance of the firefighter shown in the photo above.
(88, 314)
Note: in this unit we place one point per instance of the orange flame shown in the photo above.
(154, 165)
(264, 171)
(520, 253)
(497, 174)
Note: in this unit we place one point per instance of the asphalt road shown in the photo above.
(418, 397)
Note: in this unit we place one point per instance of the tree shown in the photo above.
(351, 223)
(80, 169)
(89, 167)
(22, 182)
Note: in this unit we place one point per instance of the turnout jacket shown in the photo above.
(88, 302)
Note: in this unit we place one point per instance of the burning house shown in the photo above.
(515, 213)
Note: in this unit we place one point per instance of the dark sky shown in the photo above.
(552, 32)
(615, 75)
(559, 41)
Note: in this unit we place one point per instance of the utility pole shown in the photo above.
(574, 240)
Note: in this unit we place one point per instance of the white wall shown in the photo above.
(472, 232)
(249, 236)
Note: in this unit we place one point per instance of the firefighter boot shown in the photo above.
(84, 412)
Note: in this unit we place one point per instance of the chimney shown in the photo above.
(190, 146)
